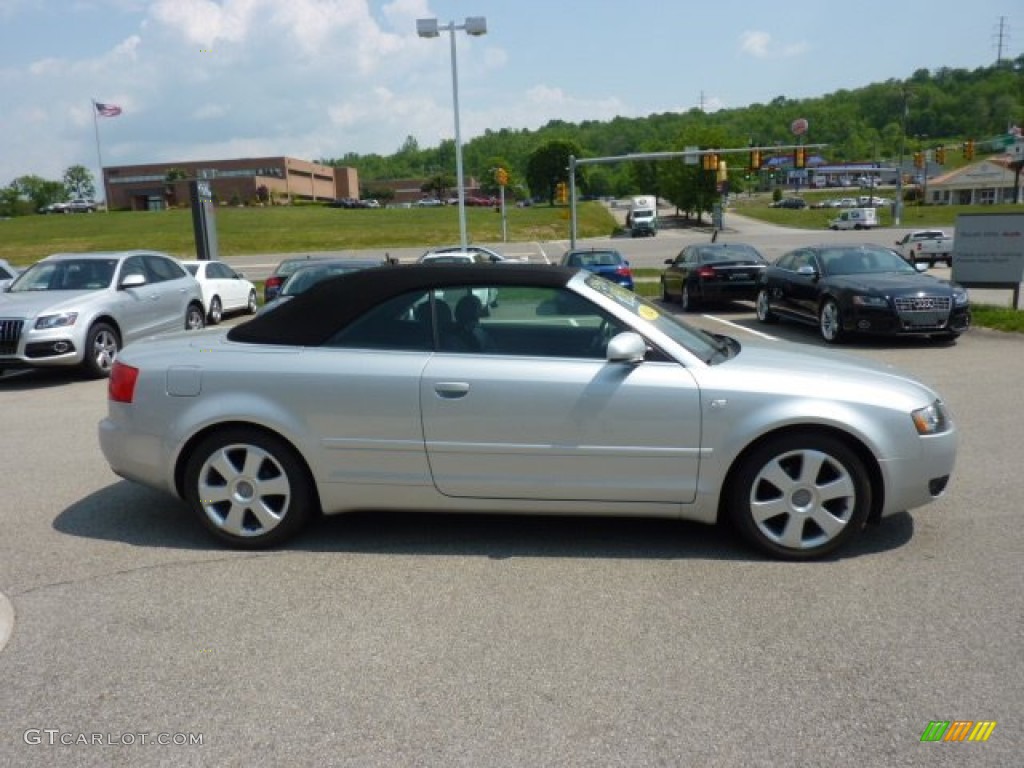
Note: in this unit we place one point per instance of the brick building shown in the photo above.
(146, 187)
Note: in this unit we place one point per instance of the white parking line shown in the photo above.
(742, 328)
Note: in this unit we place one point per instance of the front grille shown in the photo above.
(923, 304)
(10, 333)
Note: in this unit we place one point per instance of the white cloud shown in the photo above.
(760, 45)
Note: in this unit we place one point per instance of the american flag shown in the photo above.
(107, 110)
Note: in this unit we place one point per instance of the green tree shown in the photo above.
(38, 191)
(548, 165)
(438, 185)
(78, 182)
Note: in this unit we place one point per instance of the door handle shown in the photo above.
(451, 390)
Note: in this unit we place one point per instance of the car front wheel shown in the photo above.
(686, 298)
(800, 496)
(249, 488)
(216, 310)
(830, 323)
(251, 306)
(101, 347)
(764, 308)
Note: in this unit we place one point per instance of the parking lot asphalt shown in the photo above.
(383, 640)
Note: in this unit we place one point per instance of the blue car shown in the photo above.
(606, 262)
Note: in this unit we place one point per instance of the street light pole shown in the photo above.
(476, 26)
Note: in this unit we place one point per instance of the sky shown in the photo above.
(211, 79)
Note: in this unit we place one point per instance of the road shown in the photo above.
(384, 640)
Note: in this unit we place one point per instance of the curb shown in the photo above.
(6, 620)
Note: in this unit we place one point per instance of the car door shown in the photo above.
(138, 306)
(796, 289)
(677, 271)
(171, 283)
(541, 414)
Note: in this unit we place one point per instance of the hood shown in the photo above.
(793, 370)
(893, 283)
(34, 303)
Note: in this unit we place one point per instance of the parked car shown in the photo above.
(312, 272)
(428, 202)
(478, 254)
(81, 205)
(7, 274)
(861, 290)
(80, 309)
(796, 203)
(926, 246)
(606, 262)
(61, 207)
(224, 290)
(705, 272)
(272, 285)
(587, 400)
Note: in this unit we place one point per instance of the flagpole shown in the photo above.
(99, 158)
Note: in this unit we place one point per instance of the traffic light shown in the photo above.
(919, 159)
(561, 192)
(799, 158)
(501, 177)
(940, 154)
(710, 161)
(755, 160)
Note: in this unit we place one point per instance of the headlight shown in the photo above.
(870, 301)
(960, 298)
(932, 419)
(56, 321)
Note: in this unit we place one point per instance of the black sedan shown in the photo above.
(712, 272)
(860, 289)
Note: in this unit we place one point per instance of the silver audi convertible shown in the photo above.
(393, 389)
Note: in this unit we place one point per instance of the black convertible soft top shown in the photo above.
(311, 318)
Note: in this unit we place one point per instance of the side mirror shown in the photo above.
(626, 347)
(670, 261)
(920, 266)
(807, 270)
(133, 281)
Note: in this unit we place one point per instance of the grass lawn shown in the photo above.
(288, 229)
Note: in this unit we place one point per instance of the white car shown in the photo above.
(224, 290)
(471, 254)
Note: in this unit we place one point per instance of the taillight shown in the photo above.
(273, 281)
(623, 271)
(121, 388)
(706, 273)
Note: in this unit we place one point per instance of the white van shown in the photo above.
(855, 218)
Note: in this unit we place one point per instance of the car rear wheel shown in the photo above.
(829, 322)
(249, 488)
(195, 318)
(800, 496)
(251, 307)
(216, 310)
(101, 347)
(764, 308)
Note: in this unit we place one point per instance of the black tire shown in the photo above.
(195, 317)
(664, 293)
(687, 299)
(253, 305)
(825, 500)
(764, 308)
(216, 311)
(830, 323)
(249, 488)
(102, 344)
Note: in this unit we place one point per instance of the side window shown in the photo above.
(133, 265)
(396, 324)
(160, 269)
(522, 321)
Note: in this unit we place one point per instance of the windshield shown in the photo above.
(700, 343)
(66, 275)
(863, 260)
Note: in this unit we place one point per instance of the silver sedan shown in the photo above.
(383, 389)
